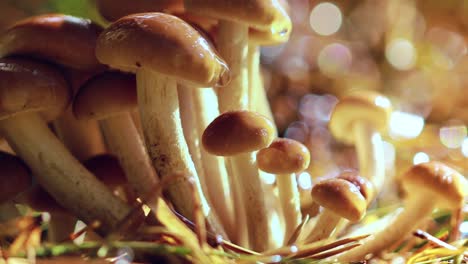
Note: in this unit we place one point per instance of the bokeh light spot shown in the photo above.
(420, 157)
(401, 54)
(334, 60)
(325, 19)
(452, 136)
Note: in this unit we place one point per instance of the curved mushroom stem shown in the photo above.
(219, 191)
(416, 209)
(233, 47)
(125, 143)
(8, 211)
(60, 174)
(369, 147)
(323, 228)
(245, 171)
(81, 137)
(290, 202)
(159, 110)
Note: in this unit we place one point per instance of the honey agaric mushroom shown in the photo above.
(445, 187)
(29, 87)
(340, 199)
(113, 10)
(109, 98)
(70, 42)
(238, 134)
(164, 50)
(359, 119)
(15, 178)
(285, 157)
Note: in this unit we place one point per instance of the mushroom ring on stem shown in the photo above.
(27, 88)
(285, 157)
(360, 118)
(164, 50)
(445, 187)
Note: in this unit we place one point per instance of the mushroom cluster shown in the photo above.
(156, 132)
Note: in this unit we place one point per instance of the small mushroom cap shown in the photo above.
(105, 95)
(114, 9)
(161, 43)
(364, 185)
(27, 85)
(442, 185)
(283, 156)
(341, 197)
(265, 15)
(365, 106)
(272, 37)
(107, 169)
(15, 176)
(61, 39)
(237, 132)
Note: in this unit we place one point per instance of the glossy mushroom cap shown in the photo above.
(341, 197)
(237, 132)
(107, 169)
(115, 9)
(364, 185)
(441, 184)
(283, 156)
(365, 106)
(61, 39)
(15, 176)
(105, 95)
(27, 85)
(265, 15)
(161, 43)
(272, 37)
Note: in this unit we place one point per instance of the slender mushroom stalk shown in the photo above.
(37, 87)
(360, 118)
(445, 187)
(15, 179)
(285, 157)
(238, 134)
(67, 41)
(109, 98)
(164, 50)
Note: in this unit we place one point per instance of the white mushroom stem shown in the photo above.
(159, 110)
(60, 173)
(323, 228)
(82, 137)
(233, 48)
(416, 210)
(290, 202)
(370, 152)
(125, 143)
(245, 171)
(218, 187)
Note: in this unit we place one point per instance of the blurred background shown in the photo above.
(414, 52)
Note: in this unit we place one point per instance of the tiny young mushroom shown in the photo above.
(285, 157)
(428, 186)
(339, 199)
(15, 178)
(360, 118)
(109, 98)
(27, 88)
(70, 42)
(164, 50)
(238, 134)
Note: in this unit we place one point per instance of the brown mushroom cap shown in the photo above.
(283, 156)
(364, 185)
(115, 9)
(161, 43)
(365, 106)
(27, 85)
(15, 176)
(441, 184)
(105, 95)
(107, 169)
(62, 39)
(237, 132)
(341, 197)
(260, 14)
